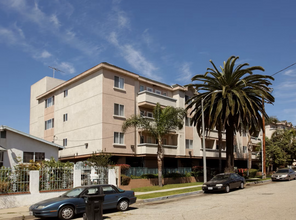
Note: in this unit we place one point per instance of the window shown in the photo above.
(49, 102)
(164, 93)
(1, 158)
(118, 138)
(189, 144)
(142, 139)
(149, 89)
(66, 93)
(142, 113)
(33, 156)
(235, 148)
(39, 156)
(118, 109)
(142, 88)
(157, 92)
(149, 114)
(118, 82)
(245, 149)
(3, 134)
(65, 117)
(149, 139)
(49, 124)
(164, 141)
(187, 121)
(65, 142)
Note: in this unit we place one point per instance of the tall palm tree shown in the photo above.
(233, 95)
(164, 121)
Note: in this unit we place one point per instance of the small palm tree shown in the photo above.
(164, 121)
(233, 95)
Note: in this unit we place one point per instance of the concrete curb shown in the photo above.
(257, 182)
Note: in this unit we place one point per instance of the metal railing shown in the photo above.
(138, 171)
(56, 178)
(14, 180)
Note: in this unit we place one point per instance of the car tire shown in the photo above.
(241, 186)
(227, 189)
(123, 205)
(66, 212)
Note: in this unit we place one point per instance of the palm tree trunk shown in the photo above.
(159, 161)
(220, 145)
(229, 147)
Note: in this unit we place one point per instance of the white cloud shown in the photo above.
(290, 72)
(45, 54)
(186, 73)
(66, 67)
(113, 38)
(55, 20)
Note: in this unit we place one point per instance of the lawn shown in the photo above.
(169, 193)
(169, 186)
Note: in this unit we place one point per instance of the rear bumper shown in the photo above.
(133, 200)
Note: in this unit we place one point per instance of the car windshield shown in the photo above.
(282, 171)
(120, 190)
(73, 192)
(220, 177)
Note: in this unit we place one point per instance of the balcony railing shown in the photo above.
(148, 99)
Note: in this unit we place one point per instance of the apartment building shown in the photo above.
(85, 115)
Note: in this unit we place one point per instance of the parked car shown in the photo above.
(283, 174)
(224, 182)
(73, 202)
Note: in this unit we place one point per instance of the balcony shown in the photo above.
(148, 99)
(149, 148)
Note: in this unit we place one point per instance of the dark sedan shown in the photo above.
(224, 182)
(73, 201)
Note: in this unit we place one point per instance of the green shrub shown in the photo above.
(136, 177)
(174, 175)
(149, 176)
(125, 180)
(252, 173)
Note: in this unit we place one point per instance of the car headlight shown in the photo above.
(219, 184)
(41, 207)
(204, 185)
(285, 175)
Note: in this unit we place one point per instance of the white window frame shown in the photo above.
(189, 144)
(49, 102)
(118, 138)
(149, 89)
(118, 110)
(65, 117)
(157, 91)
(150, 113)
(118, 82)
(49, 124)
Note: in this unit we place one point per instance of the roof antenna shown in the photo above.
(55, 69)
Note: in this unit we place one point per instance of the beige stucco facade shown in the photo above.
(91, 122)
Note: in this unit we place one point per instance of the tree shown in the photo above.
(164, 121)
(281, 148)
(233, 95)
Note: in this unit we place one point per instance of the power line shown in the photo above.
(284, 69)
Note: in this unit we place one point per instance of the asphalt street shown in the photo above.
(273, 200)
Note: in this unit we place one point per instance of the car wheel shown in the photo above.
(66, 212)
(241, 186)
(123, 205)
(227, 189)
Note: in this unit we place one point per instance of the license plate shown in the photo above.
(30, 213)
(210, 188)
(277, 177)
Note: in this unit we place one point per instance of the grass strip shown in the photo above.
(169, 186)
(169, 193)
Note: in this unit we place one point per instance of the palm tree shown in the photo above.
(233, 95)
(164, 121)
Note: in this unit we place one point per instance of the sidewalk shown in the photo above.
(166, 190)
(15, 213)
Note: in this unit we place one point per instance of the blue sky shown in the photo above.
(169, 41)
